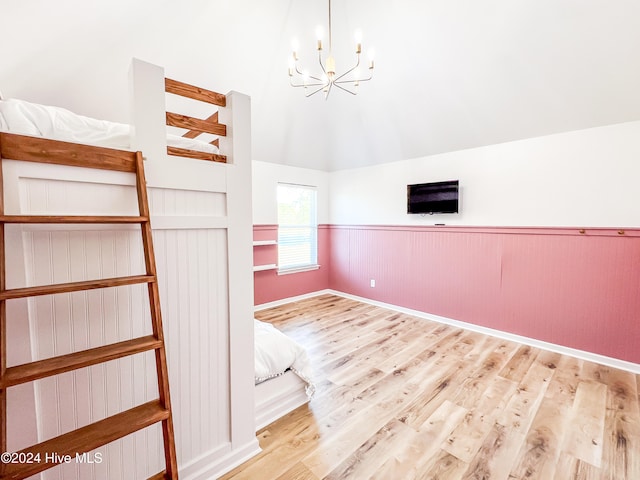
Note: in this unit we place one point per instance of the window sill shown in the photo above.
(306, 268)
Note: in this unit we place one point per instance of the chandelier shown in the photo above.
(347, 81)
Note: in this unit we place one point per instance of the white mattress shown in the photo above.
(275, 353)
(25, 118)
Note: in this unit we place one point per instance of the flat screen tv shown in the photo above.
(435, 197)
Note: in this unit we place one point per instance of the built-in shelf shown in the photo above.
(260, 268)
(269, 255)
(258, 243)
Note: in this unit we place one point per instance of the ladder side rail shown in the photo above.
(156, 320)
(3, 323)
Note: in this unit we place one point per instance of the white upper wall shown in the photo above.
(582, 178)
(585, 178)
(266, 177)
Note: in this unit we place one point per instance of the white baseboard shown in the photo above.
(214, 464)
(552, 347)
(532, 342)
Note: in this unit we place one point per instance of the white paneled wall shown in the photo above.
(191, 246)
(193, 289)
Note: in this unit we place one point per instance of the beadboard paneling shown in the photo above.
(193, 281)
(192, 270)
(579, 290)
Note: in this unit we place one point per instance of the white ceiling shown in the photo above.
(450, 74)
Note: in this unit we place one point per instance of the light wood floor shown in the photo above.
(401, 398)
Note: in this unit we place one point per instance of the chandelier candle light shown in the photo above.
(347, 81)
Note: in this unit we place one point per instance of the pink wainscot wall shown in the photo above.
(576, 288)
(268, 285)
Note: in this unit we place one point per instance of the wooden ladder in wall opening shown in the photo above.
(104, 431)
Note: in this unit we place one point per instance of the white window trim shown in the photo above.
(304, 268)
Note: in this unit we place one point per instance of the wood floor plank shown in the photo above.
(334, 362)
(565, 379)
(330, 333)
(479, 380)
(467, 438)
(433, 392)
(444, 378)
(522, 407)
(622, 424)
(298, 471)
(452, 344)
(431, 332)
(282, 443)
(373, 349)
(585, 437)
(571, 468)
(419, 344)
(596, 372)
(329, 454)
(328, 396)
(409, 460)
(445, 465)
(284, 427)
(519, 363)
(540, 452)
(394, 386)
(371, 455)
(496, 456)
(393, 389)
(347, 373)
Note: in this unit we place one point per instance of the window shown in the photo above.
(297, 228)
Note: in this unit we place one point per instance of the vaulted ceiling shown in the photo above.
(450, 74)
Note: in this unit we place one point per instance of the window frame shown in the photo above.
(312, 226)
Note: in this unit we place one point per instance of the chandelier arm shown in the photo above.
(315, 91)
(345, 89)
(320, 62)
(354, 81)
(328, 91)
(303, 75)
(314, 84)
(349, 71)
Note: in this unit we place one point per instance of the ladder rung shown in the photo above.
(72, 219)
(75, 286)
(159, 476)
(86, 439)
(29, 372)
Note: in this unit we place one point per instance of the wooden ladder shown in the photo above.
(111, 428)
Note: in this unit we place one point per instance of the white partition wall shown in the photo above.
(206, 278)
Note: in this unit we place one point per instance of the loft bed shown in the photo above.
(291, 386)
(201, 218)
